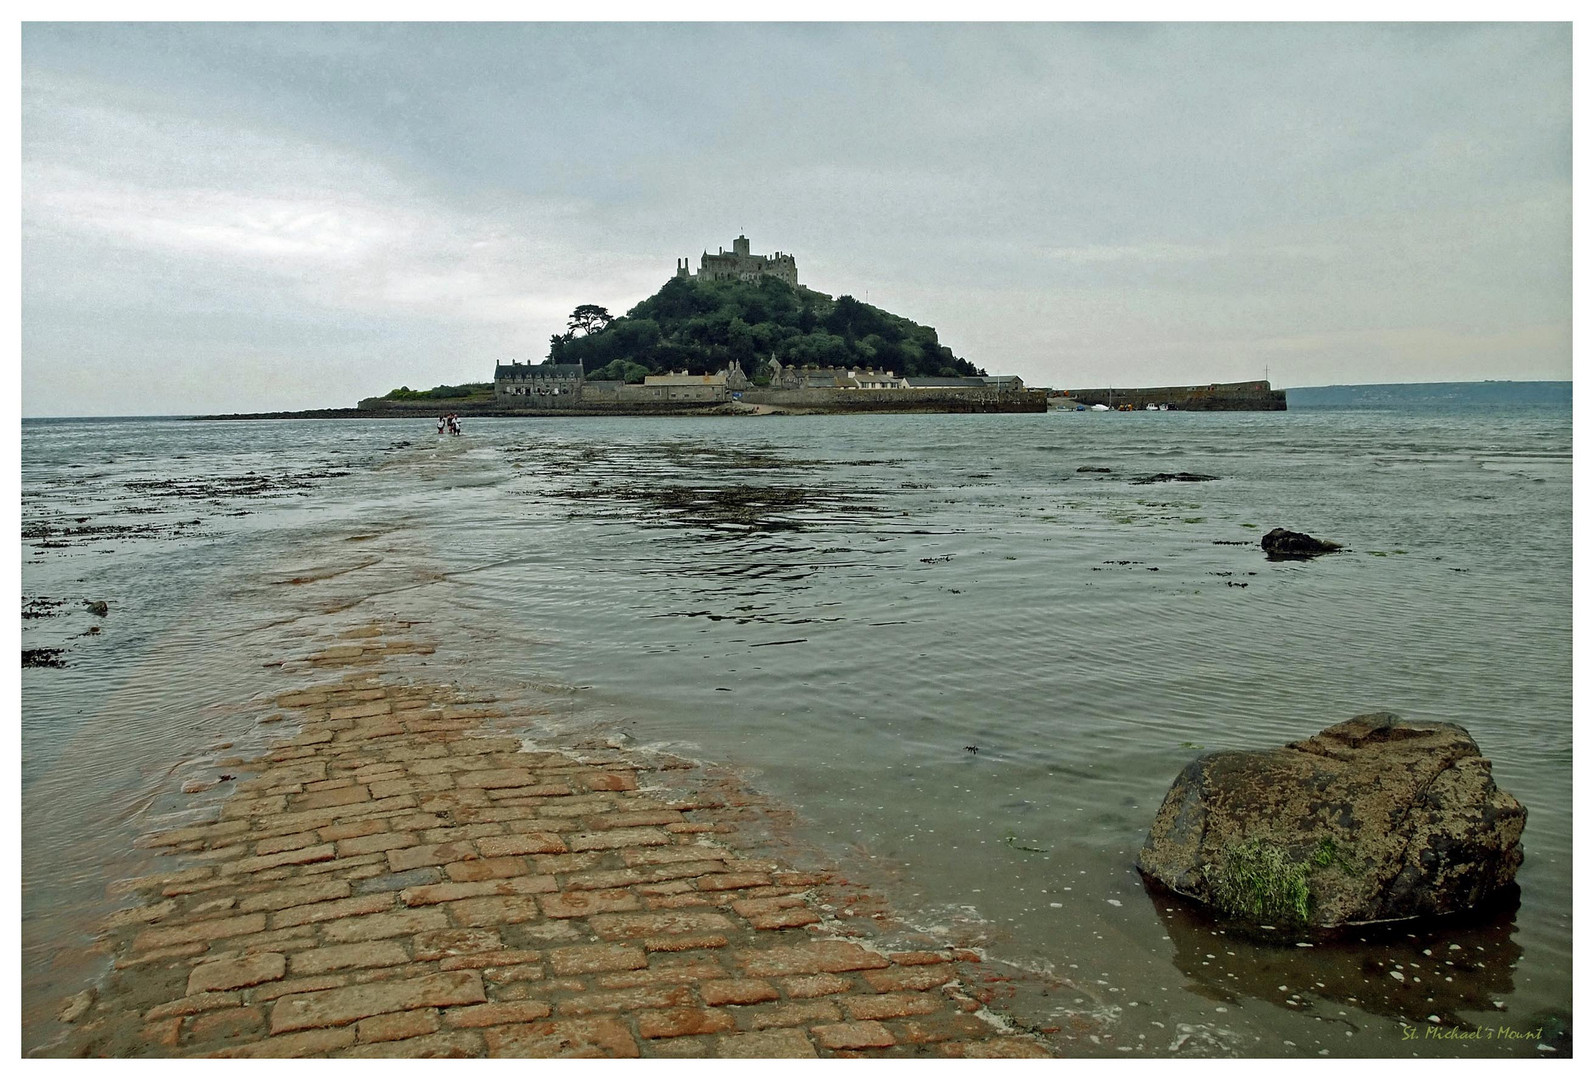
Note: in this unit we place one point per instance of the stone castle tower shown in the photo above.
(740, 264)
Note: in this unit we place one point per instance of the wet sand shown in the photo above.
(404, 878)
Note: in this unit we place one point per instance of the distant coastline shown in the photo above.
(1435, 396)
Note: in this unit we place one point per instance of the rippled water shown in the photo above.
(971, 668)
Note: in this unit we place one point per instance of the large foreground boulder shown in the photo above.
(1373, 819)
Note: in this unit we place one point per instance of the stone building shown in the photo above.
(740, 264)
(677, 386)
(517, 380)
(782, 377)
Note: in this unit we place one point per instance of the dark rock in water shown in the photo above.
(1166, 477)
(1283, 544)
(97, 607)
(1093, 468)
(42, 658)
(1370, 820)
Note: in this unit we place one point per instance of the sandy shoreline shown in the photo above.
(402, 878)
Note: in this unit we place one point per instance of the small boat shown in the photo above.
(1153, 408)
(1099, 408)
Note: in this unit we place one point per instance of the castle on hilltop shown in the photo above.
(740, 264)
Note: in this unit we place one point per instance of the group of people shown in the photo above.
(448, 423)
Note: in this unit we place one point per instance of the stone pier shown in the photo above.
(400, 878)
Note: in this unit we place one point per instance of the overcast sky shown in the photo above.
(247, 217)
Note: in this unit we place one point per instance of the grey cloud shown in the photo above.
(343, 207)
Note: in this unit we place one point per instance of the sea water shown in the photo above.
(969, 653)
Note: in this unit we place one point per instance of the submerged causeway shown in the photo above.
(401, 879)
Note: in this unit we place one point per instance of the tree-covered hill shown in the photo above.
(703, 325)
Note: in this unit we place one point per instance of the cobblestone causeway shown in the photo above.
(399, 879)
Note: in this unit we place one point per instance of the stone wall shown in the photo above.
(1256, 396)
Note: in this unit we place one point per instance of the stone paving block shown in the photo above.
(495, 778)
(382, 841)
(576, 905)
(615, 926)
(494, 1014)
(672, 854)
(490, 959)
(446, 891)
(491, 910)
(738, 992)
(641, 997)
(385, 925)
(436, 944)
(381, 789)
(857, 1036)
(891, 1005)
(250, 808)
(162, 1032)
(194, 1003)
(226, 1024)
(133, 916)
(564, 864)
(616, 838)
(429, 855)
(808, 986)
(512, 973)
(345, 830)
(933, 1029)
(332, 909)
(685, 1020)
(404, 1025)
(296, 857)
(688, 899)
(234, 974)
(685, 942)
(780, 1043)
(483, 869)
(531, 843)
(607, 781)
(809, 958)
(357, 712)
(911, 978)
(299, 1044)
(662, 971)
(593, 1038)
(408, 879)
(786, 918)
(212, 907)
(788, 1014)
(288, 842)
(157, 937)
(719, 882)
(327, 1008)
(580, 959)
(366, 954)
(749, 907)
(443, 1044)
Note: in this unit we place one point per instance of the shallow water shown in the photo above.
(972, 668)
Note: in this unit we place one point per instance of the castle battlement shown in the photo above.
(740, 264)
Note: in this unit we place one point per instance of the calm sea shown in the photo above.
(970, 667)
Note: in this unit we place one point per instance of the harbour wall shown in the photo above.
(1258, 396)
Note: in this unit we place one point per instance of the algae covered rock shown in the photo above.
(1373, 819)
(1284, 544)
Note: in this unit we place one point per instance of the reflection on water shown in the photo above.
(1436, 972)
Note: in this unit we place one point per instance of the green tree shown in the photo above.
(589, 317)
